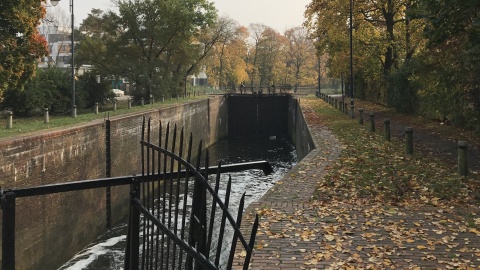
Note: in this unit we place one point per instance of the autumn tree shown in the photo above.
(300, 54)
(21, 44)
(268, 55)
(385, 38)
(231, 32)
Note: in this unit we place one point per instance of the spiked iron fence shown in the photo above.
(177, 219)
(168, 240)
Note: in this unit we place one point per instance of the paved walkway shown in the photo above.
(298, 231)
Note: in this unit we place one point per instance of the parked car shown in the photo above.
(118, 92)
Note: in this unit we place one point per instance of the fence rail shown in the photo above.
(171, 224)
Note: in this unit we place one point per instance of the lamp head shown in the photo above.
(54, 2)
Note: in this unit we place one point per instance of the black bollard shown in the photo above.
(462, 158)
(372, 122)
(409, 140)
(387, 129)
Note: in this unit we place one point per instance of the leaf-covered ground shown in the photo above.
(371, 207)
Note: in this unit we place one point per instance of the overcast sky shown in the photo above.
(278, 14)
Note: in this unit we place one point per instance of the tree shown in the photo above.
(21, 42)
(50, 88)
(154, 44)
(300, 53)
(452, 60)
(385, 38)
(231, 32)
(256, 32)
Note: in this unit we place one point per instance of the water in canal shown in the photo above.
(107, 252)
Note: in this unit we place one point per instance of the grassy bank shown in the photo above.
(24, 125)
(371, 169)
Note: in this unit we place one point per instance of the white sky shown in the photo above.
(278, 14)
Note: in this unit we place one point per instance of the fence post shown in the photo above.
(163, 99)
(46, 118)
(462, 158)
(8, 231)
(74, 111)
(129, 102)
(114, 105)
(132, 251)
(96, 107)
(340, 105)
(345, 107)
(372, 122)
(336, 103)
(10, 120)
(387, 129)
(108, 172)
(409, 140)
(360, 118)
(142, 102)
(352, 111)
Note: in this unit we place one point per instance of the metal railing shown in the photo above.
(171, 224)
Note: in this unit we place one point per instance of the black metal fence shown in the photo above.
(177, 219)
(173, 234)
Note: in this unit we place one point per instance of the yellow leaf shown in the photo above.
(329, 237)
(475, 231)
(421, 247)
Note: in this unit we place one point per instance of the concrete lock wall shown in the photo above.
(253, 117)
(50, 229)
(298, 129)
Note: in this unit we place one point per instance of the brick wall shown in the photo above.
(50, 229)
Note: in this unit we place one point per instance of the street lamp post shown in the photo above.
(319, 74)
(72, 40)
(351, 58)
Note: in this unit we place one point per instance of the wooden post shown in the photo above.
(372, 122)
(129, 101)
(142, 102)
(387, 129)
(96, 107)
(340, 105)
(114, 105)
(352, 111)
(360, 118)
(409, 140)
(336, 103)
(462, 158)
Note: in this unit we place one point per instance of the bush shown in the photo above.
(45, 90)
(402, 89)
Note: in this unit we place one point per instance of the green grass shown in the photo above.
(22, 126)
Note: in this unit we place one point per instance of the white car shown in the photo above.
(118, 92)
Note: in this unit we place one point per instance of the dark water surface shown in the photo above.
(107, 252)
